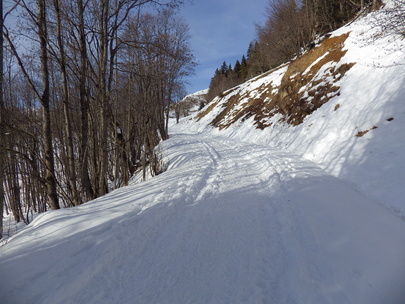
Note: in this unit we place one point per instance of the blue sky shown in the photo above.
(220, 31)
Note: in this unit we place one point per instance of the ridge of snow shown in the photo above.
(197, 95)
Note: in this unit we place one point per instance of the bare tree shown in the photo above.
(82, 117)
(285, 33)
(42, 92)
(157, 68)
(66, 106)
(395, 18)
(45, 103)
(2, 125)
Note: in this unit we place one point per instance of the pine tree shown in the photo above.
(244, 68)
(224, 68)
(237, 69)
(229, 71)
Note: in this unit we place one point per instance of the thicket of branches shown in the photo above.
(290, 27)
(396, 17)
(87, 86)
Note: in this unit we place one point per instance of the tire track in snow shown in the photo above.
(296, 260)
(227, 223)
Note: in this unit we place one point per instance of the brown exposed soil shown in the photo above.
(207, 110)
(309, 82)
(362, 133)
(319, 82)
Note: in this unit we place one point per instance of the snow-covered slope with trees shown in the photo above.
(189, 105)
(340, 105)
(287, 213)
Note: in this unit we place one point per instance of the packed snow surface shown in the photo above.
(228, 222)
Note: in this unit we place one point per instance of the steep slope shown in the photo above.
(340, 105)
(297, 90)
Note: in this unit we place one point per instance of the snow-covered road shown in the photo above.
(228, 222)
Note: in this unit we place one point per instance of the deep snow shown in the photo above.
(227, 223)
(286, 215)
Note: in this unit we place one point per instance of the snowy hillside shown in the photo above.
(340, 105)
(200, 95)
(259, 204)
(190, 104)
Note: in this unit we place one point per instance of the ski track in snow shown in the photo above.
(227, 223)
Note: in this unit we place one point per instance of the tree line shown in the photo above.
(289, 29)
(85, 92)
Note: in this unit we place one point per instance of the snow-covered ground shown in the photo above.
(228, 222)
(371, 99)
(289, 214)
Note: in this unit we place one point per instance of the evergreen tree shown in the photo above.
(224, 68)
(290, 27)
(250, 49)
(237, 69)
(229, 71)
(244, 68)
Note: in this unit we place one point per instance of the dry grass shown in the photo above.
(212, 105)
(309, 71)
(207, 110)
(362, 133)
(294, 104)
(227, 108)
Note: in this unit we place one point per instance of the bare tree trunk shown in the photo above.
(84, 107)
(2, 126)
(169, 98)
(46, 115)
(13, 188)
(116, 180)
(68, 128)
(102, 95)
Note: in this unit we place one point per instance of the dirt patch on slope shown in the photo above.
(362, 133)
(309, 82)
